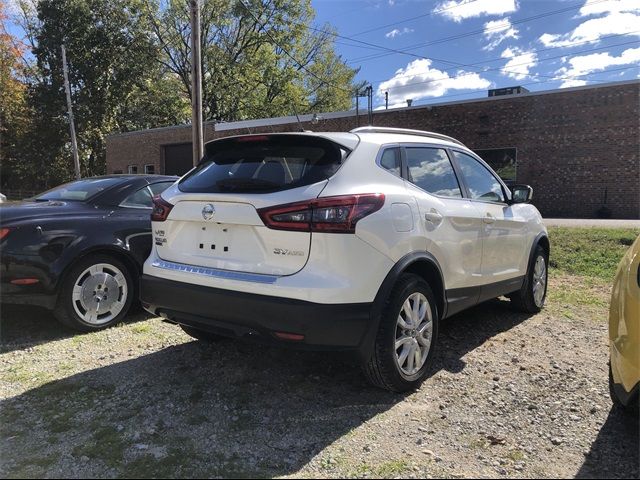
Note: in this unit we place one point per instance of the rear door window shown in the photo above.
(264, 164)
(431, 170)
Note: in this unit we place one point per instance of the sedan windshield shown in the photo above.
(80, 190)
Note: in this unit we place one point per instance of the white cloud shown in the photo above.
(608, 7)
(595, 62)
(520, 63)
(419, 80)
(458, 10)
(396, 32)
(615, 17)
(497, 31)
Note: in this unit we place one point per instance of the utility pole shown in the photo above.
(370, 104)
(386, 100)
(196, 84)
(74, 144)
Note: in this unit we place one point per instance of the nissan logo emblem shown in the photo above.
(208, 211)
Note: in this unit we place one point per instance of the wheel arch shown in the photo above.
(423, 264)
(122, 255)
(541, 239)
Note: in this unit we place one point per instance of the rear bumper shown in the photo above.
(257, 317)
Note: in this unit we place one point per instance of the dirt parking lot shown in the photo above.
(510, 395)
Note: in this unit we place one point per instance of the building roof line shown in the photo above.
(264, 122)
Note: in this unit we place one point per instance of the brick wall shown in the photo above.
(574, 146)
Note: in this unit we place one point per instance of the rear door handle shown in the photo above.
(489, 218)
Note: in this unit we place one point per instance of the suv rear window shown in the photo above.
(264, 163)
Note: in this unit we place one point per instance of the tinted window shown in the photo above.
(431, 170)
(264, 163)
(158, 188)
(80, 189)
(390, 160)
(480, 181)
(139, 199)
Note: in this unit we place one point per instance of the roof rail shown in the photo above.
(406, 131)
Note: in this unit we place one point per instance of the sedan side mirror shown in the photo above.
(521, 194)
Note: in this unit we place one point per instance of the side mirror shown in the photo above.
(521, 194)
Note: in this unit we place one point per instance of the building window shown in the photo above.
(150, 169)
(502, 160)
(132, 169)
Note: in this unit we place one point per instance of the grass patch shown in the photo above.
(141, 328)
(392, 468)
(106, 444)
(589, 252)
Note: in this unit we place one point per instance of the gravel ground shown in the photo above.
(509, 395)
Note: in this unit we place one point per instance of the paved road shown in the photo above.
(587, 222)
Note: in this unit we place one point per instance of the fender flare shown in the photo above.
(366, 345)
(536, 241)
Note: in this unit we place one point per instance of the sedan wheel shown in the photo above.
(100, 293)
(95, 294)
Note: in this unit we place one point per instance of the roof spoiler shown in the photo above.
(406, 131)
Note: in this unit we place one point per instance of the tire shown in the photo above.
(201, 335)
(631, 408)
(386, 368)
(97, 281)
(533, 293)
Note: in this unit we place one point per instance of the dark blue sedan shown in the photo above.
(78, 249)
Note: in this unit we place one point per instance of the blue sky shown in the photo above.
(457, 49)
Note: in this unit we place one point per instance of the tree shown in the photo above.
(14, 111)
(259, 57)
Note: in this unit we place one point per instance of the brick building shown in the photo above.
(578, 147)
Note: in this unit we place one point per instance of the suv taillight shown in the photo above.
(161, 209)
(4, 232)
(329, 215)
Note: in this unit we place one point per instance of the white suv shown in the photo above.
(357, 241)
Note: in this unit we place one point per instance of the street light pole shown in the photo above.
(74, 144)
(196, 83)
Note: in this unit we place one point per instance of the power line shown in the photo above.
(501, 69)
(410, 19)
(286, 52)
(613, 70)
(380, 47)
(496, 59)
(390, 51)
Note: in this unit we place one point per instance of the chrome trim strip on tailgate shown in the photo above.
(215, 272)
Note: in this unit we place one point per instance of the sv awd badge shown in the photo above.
(208, 211)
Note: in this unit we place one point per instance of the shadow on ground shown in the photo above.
(197, 410)
(24, 326)
(617, 445)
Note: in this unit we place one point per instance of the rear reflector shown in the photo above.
(24, 281)
(289, 336)
(161, 209)
(329, 214)
(4, 232)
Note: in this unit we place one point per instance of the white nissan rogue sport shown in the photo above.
(357, 241)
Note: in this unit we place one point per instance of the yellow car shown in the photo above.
(624, 331)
